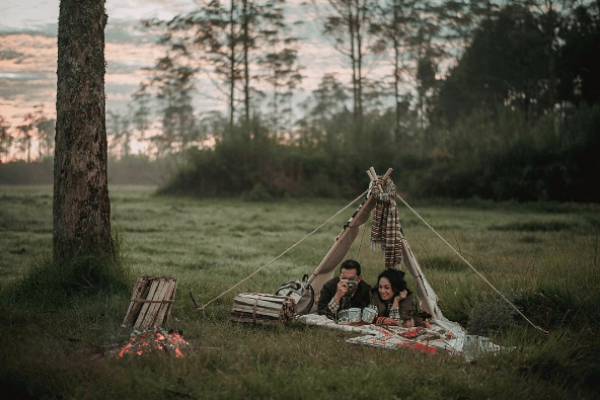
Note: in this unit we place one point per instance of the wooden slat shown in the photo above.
(164, 307)
(145, 306)
(143, 293)
(138, 289)
(172, 298)
(259, 311)
(266, 297)
(250, 315)
(150, 319)
(260, 303)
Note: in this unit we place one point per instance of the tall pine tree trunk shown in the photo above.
(396, 71)
(275, 108)
(246, 71)
(81, 204)
(359, 55)
(232, 64)
(397, 86)
(28, 148)
(351, 27)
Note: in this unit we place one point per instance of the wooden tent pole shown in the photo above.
(387, 174)
(344, 239)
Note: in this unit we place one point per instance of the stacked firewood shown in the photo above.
(259, 308)
(151, 302)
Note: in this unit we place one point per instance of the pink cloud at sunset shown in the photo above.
(28, 54)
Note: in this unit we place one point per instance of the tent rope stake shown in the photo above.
(472, 267)
(200, 310)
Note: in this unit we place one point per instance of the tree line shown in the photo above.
(35, 125)
(479, 98)
(514, 117)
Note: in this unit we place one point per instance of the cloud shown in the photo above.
(28, 76)
(28, 53)
(28, 65)
(28, 15)
(136, 10)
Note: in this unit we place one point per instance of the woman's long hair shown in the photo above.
(396, 279)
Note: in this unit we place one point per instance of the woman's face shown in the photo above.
(385, 289)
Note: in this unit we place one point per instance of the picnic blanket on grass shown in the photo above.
(442, 336)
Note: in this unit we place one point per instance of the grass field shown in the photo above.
(543, 256)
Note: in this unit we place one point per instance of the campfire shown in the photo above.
(150, 340)
(150, 307)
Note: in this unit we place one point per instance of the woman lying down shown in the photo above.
(392, 299)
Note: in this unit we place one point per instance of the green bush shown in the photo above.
(490, 315)
(513, 159)
(56, 283)
(501, 158)
(258, 193)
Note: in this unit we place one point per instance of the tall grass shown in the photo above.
(208, 246)
(51, 283)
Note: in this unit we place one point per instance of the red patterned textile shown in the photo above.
(385, 321)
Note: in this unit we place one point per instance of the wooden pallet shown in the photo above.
(151, 302)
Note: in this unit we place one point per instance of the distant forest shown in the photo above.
(516, 116)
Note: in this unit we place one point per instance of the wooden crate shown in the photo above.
(151, 302)
(260, 308)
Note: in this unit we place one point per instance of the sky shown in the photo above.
(28, 53)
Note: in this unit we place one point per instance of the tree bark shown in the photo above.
(81, 203)
(396, 70)
(351, 28)
(246, 70)
(360, 19)
(232, 44)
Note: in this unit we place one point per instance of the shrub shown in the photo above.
(258, 193)
(85, 274)
(512, 159)
(490, 315)
(505, 158)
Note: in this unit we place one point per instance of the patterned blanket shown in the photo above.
(442, 336)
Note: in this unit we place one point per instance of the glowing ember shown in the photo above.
(149, 340)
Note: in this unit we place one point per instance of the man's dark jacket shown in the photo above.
(360, 299)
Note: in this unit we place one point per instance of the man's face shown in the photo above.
(350, 274)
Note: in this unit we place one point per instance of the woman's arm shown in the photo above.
(395, 310)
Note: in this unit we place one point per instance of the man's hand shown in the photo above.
(342, 289)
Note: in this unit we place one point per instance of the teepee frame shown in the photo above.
(343, 242)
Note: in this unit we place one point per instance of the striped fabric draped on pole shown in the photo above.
(386, 231)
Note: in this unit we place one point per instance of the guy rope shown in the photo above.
(377, 181)
(201, 309)
(472, 267)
